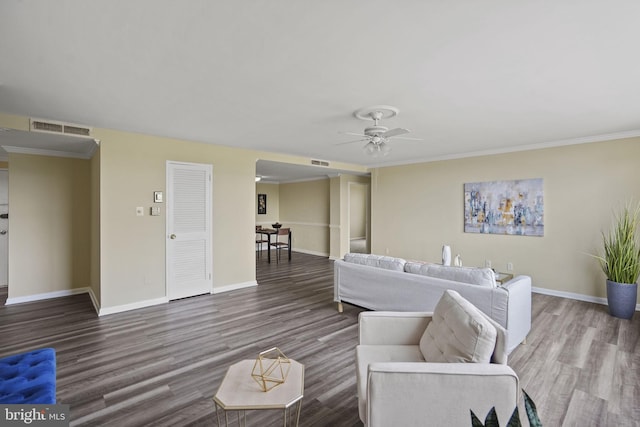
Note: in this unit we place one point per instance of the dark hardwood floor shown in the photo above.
(161, 365)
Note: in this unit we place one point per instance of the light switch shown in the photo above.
(139, 211)
(155, 211)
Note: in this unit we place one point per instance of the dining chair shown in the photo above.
(282, 241)
(260, 240)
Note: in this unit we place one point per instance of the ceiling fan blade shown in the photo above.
(352, 133)
(406, 138)
(351, 142)
(394, 132)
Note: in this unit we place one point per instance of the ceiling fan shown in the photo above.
(377, 136)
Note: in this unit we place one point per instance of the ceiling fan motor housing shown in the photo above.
(375, 130)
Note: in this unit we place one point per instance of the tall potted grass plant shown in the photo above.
(620, 261)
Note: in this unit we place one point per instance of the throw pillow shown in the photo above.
(458, 332)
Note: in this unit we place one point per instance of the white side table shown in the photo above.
(239, 392)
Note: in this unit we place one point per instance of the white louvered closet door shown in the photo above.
(188, 229)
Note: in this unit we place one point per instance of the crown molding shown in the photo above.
(514, 149)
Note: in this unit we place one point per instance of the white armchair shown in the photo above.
(396, 386)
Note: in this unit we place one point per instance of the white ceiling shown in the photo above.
(285, 76)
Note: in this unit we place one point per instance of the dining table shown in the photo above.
(270, 232)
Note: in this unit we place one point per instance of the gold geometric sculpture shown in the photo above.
(271, 368)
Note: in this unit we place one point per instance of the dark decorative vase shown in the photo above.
(622, 298)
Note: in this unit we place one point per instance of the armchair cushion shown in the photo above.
(458, 332)
(368, 354)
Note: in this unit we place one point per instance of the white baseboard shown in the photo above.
(46, 295)
(304, 251)
(135, 305)
(94, 300)
(234, 287)
(571, 295)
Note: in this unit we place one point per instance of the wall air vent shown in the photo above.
(319, 163)
(60, 128)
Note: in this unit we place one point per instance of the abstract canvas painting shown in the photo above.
(504, 207)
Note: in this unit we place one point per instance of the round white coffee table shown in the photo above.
(240, 392)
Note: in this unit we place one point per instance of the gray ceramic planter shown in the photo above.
(622, 298)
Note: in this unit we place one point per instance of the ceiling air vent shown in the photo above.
(50, 126)
(319, 163)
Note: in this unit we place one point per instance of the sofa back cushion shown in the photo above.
(380, 261)
(417, 267)
(472, 275)
(458, 332)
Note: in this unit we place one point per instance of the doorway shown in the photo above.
(358, 217)
(188, 249)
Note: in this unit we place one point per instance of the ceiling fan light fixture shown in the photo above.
(377, 150)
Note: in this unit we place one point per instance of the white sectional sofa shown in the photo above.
(393, 284)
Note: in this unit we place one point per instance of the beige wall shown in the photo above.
(304, 206)
(50, 224)
(418, 208)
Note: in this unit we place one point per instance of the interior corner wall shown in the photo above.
(305, 206)
(48, 243)
(132, 248)
(418, 208)
(95, 226)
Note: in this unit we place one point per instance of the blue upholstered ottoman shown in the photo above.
(29, 377)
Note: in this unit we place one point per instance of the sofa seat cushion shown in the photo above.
(458, 332)
(28, 378)
(367, 354)
(380, 261)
